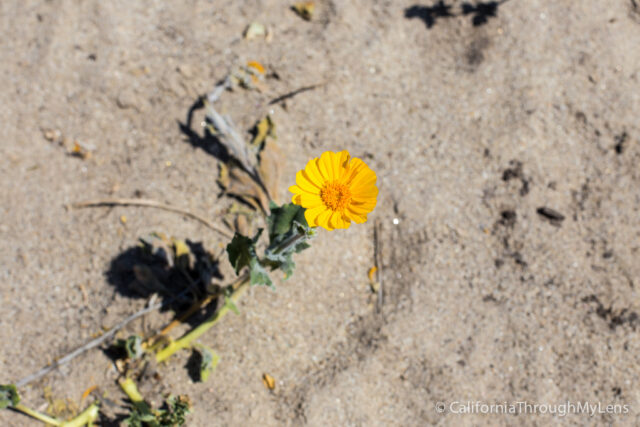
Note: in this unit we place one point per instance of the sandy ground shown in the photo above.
(472, 129)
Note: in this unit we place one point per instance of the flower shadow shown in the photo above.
(180, 273)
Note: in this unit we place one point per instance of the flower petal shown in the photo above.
(313, 174)
(355, 217)
(325, 165)
(312, 214)
(341, 160)
(305, 183)
(364, 192)
(323, 220)
(309, 200)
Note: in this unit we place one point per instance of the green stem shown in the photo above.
(37, 415)
(131, 390)
(289, 242)
(187, 339)
(86, 417)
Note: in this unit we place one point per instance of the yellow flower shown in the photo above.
(335, 189)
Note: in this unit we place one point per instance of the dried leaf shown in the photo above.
(268, 381)
(372, 272)
(373, 283)
(270, 167)
(256, 66)
(88, 391)
(263, 129)
(224, 129)
(183, 256)
(79, 151)
(223, 176)
(255, 30)
(243, 186)
(242, 225)
(304, 9)
(53, 135)
(250, 76)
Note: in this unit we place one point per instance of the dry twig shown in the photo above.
(151, 204)
(88, 346)
(377, 236)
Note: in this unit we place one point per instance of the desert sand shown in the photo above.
(505, 138)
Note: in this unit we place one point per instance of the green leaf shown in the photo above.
(288, 234)
(242, 253)
(242, 250)
(281, 221)
(208, 361)
(282, 261)
(8, 396)
(239, 251)
(257, 273)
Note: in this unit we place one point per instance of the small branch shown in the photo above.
(91, 344)
(151, 204)
(294, 93)
(131, 390)
(37, 415)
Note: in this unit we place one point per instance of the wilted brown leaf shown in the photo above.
(241, 185)
(183, 256)
(255, 30)
(304, 9)
(263, 129)
(268, 381)
(270, 166)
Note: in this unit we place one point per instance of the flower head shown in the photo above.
(335, 189)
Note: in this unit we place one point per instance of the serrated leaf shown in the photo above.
(282, 261)
(281, 220)
(208, 361)
(242, 253)
(241, 250)
(257, 274)
(8, 396)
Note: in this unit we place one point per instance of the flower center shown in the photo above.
(335, 196)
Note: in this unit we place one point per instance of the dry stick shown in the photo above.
(88, 346)
(295, 92)
(378, 260)
(151, 204)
